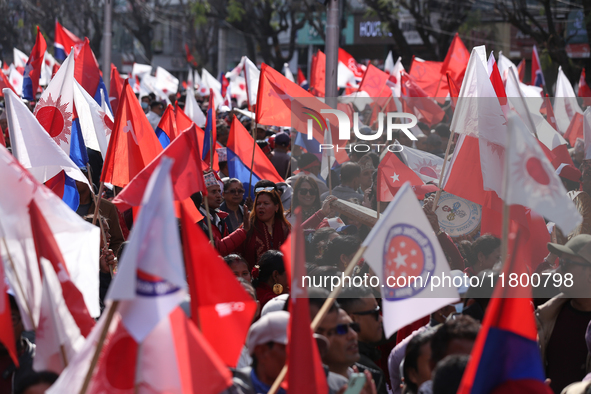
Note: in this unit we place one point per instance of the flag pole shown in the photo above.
(323, 311)
(99, 346)
(379, 209)
(506, 211)
(438, 194)
(20, 285)
(96, 207)
(96, 200)
(208, 220)
(254, 144)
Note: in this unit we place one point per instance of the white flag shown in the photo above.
(151, 275)
(532, 180)
(166, 82)
(565, 102)
(20, 59)
(210, 82)
(33, 146)
(404, 252)
(192, 109)
(328, 158)
(252, 75)
(95, 124)
(287, 72)
(16, 80)
(426, 165)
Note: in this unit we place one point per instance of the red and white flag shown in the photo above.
(533, 182)
(426, 165)
(193, 110)
(77, 240)
(96, 124)
(584, 89)
(6, 329)
(252, 76)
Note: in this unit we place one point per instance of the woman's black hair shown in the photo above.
(270, 261)
(229, 259)
(411, 357)
(485, 244)
(321, 235)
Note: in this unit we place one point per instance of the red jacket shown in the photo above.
(224, 242)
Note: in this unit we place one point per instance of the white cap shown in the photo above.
(275, 304)
(270, 328)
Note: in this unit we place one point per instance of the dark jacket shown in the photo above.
(369, 354)
(25, 359)
(225, 243)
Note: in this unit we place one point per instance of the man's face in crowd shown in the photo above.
(371, 327)
(222, 135)
(343, 349)
(214, 196)
(581, 276)
(271, 359)
(159, 109)
(234, 193)
(261, 134)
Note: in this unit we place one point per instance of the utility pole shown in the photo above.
(107, 35)
(331, 50)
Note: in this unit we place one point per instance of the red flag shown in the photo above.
(186, 172)
(32, 71)
(317, 74)
(454, 91)
(168, 123)
(281, 102)
(190, 59)
(87, 71)
(417, 102)
(455, 61)
(497, 83)
(427, 75)
(6, 330)
(46, 247)
(301, 78)
(374, 82)
(584, 89)
(133, 143)
(219, 304)
(115, 89)
(575, 129)
(393, 173)
(521, 70)
(4, 84)
(241, 145)
(303, 358)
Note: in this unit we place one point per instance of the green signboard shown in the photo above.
(308, 35)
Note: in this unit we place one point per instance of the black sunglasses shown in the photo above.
(235, 191)
(373, 312)
(303, 192)
(343, 329)
(564, 262)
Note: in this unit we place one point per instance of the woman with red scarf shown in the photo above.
(268, 227)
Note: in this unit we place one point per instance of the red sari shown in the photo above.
(259, 241)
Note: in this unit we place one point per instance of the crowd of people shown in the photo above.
(428, 356)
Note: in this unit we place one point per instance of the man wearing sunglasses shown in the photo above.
(362, 307)
(562, 322)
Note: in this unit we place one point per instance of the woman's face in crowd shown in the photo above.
(240, 269)
(234, 193)
(265, 208)
(306, 195)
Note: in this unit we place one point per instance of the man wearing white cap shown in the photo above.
(266, 342)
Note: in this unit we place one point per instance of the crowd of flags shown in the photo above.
(49, 252)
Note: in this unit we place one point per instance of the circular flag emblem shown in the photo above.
(409, 261)
(457, 216)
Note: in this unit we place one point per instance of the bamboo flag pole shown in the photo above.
(441, 175)
(506, 211)
(99, 346)
(208, 218)
(96, 206)
(322, 312)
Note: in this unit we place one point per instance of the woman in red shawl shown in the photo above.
(268, 227)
